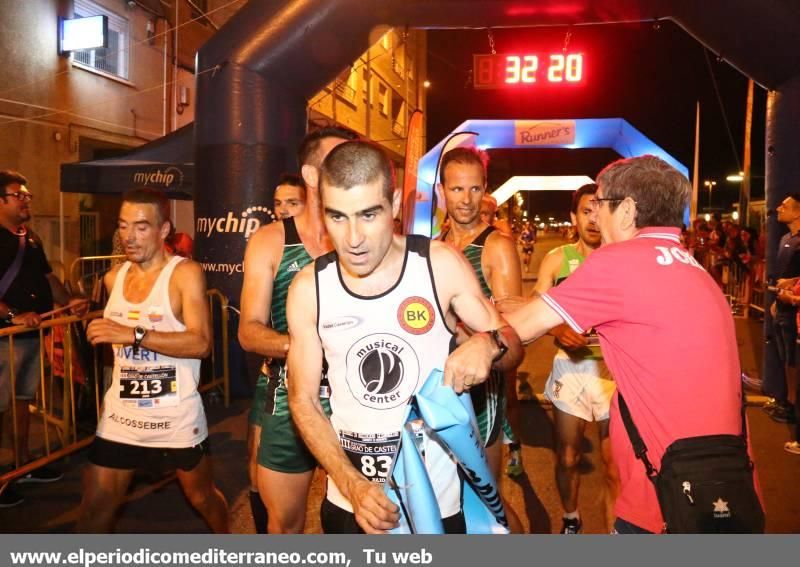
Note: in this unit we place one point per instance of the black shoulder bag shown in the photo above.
(705, 485)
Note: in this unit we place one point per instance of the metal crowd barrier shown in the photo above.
(743, 286)
(68, 396)
(219, 318)
(86, 274)
(737, 287)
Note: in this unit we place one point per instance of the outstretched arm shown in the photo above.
(457, 288)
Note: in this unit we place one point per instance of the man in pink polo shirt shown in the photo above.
(645, 294)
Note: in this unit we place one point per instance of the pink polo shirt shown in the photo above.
(668, 338)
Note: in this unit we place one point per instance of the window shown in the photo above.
(398, 114)
(114, 58)
(383, 98)
(367, 91)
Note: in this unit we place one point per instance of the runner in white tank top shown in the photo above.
(153, 400)
(376, 363)
(158, 324)
(381, 321)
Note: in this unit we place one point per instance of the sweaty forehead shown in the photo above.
(285, 192)
(459, 172)
(355, 199)
(136, 212)
(585, 201)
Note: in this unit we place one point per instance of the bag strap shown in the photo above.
(744, 419)
(13, 269)
(639, 448)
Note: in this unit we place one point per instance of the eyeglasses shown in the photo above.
(596, 202)
(20, 195)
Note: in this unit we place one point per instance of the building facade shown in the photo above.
(93, 104)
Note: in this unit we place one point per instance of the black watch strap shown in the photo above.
(495, 334)
(138, 336)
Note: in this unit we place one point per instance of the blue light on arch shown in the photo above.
(614, 133)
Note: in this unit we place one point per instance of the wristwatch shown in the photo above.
(138, 336)
(495, 334)
(11, 313)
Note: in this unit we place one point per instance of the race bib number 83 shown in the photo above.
(370, 453)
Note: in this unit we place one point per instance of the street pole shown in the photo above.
(744, 188)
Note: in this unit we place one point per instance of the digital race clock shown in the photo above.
(526, 69)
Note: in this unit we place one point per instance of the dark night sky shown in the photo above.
(651, 77)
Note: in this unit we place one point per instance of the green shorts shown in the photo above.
(489, 402)
(259, 401)
(281, 448)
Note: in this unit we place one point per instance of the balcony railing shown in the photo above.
(399, 128)
(345, 91)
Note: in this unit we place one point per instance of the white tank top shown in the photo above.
(379, 352)
(153, 399)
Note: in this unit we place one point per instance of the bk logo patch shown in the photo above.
(416, 315)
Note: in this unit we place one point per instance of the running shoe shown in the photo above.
(514, 466)
(772, 404)
(783, 414)
(570, 526)
(41, 475)
(10, 497)
(792, 447)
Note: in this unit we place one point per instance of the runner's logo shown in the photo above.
(416, 315)
(293, 267)
(382, 371)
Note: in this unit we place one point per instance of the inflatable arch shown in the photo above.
(614, 133)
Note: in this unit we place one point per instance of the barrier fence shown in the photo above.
(74, 375)
(743, 284)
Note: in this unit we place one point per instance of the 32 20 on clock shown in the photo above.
(527, 69)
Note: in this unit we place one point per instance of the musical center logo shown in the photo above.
(382, 371)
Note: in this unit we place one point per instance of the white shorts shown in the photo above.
(581, 387)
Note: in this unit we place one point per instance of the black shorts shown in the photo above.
(337, 520)
(157, 460)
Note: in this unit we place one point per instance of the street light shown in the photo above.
(710, 185)
(737, 178)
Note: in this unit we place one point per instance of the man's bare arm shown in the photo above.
(374, 512)
(255, 334)
(457, 288)
(502, 261)
(533, 320)
(189, 282)
(548, 271)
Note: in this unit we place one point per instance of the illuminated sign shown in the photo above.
(544, 132)
(83, 33)
(526, 69)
